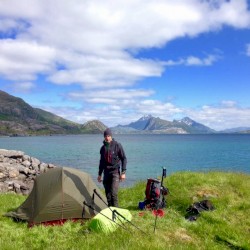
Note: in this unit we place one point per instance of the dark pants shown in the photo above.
(111, 185)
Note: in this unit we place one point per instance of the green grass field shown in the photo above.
(226, 227)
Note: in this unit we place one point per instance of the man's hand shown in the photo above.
(122, 177)
(99, 178)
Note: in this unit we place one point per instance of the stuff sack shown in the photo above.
(200, 206)
(106, 222)
(155, 194)
(195, 209)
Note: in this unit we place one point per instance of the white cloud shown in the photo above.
(93, 71)
(24, 8)
(111, 96)
(195, 61)
(208, 61)
(92, 39)
(124, 112)
(9, 26)
(24, 87)
(225, 115)
(228, 103)
(21, 60)
(233, 13)
(157, 108)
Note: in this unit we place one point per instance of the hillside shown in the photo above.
(17, 118)
(94, 127)
(240, 130)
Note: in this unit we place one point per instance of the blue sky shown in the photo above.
(118, 60)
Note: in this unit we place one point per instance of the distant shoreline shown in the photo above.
(149, 133)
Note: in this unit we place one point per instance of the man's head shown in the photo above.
(107, 135)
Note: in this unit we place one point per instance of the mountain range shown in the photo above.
(18, 118)
(150, 124)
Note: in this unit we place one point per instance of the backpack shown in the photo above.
(155, 194)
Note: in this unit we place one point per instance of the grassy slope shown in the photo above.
(227, 227)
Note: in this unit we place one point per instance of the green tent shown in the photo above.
(58, 195)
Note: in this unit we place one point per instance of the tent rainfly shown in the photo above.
(58, 195)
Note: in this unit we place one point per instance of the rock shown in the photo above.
(12, 161)
(3, 188)
(22, 177)
(42, 167)
(10, 188)
(32, 171)
(11, 153)
(25, 192)
(13, 173)
(23, 170)
(35, 163)
(26, 158)
(26, 163)
(2, 167)
(16, 185)
(18, 171)
(2, 175)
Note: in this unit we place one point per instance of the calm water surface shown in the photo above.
(146, 154)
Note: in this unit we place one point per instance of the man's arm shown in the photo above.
(123, 158)
(101, 166)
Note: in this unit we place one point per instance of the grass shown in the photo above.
(226, 227)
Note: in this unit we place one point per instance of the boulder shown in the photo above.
(35, 163)
(26, 158)
(13, 173)
(43, 167)
(11, 153)
(3, 188)
(26, 163)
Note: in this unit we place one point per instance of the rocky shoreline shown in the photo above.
(18, 171)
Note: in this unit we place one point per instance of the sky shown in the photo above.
(119, 60)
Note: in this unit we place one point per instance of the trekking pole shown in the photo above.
(114, 211)
(89, 206)
(157, 212)
(101, 198)
(155, 222)
(164, 174)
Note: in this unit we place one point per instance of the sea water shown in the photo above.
(146, 154)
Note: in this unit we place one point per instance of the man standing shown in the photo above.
(113, 163)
